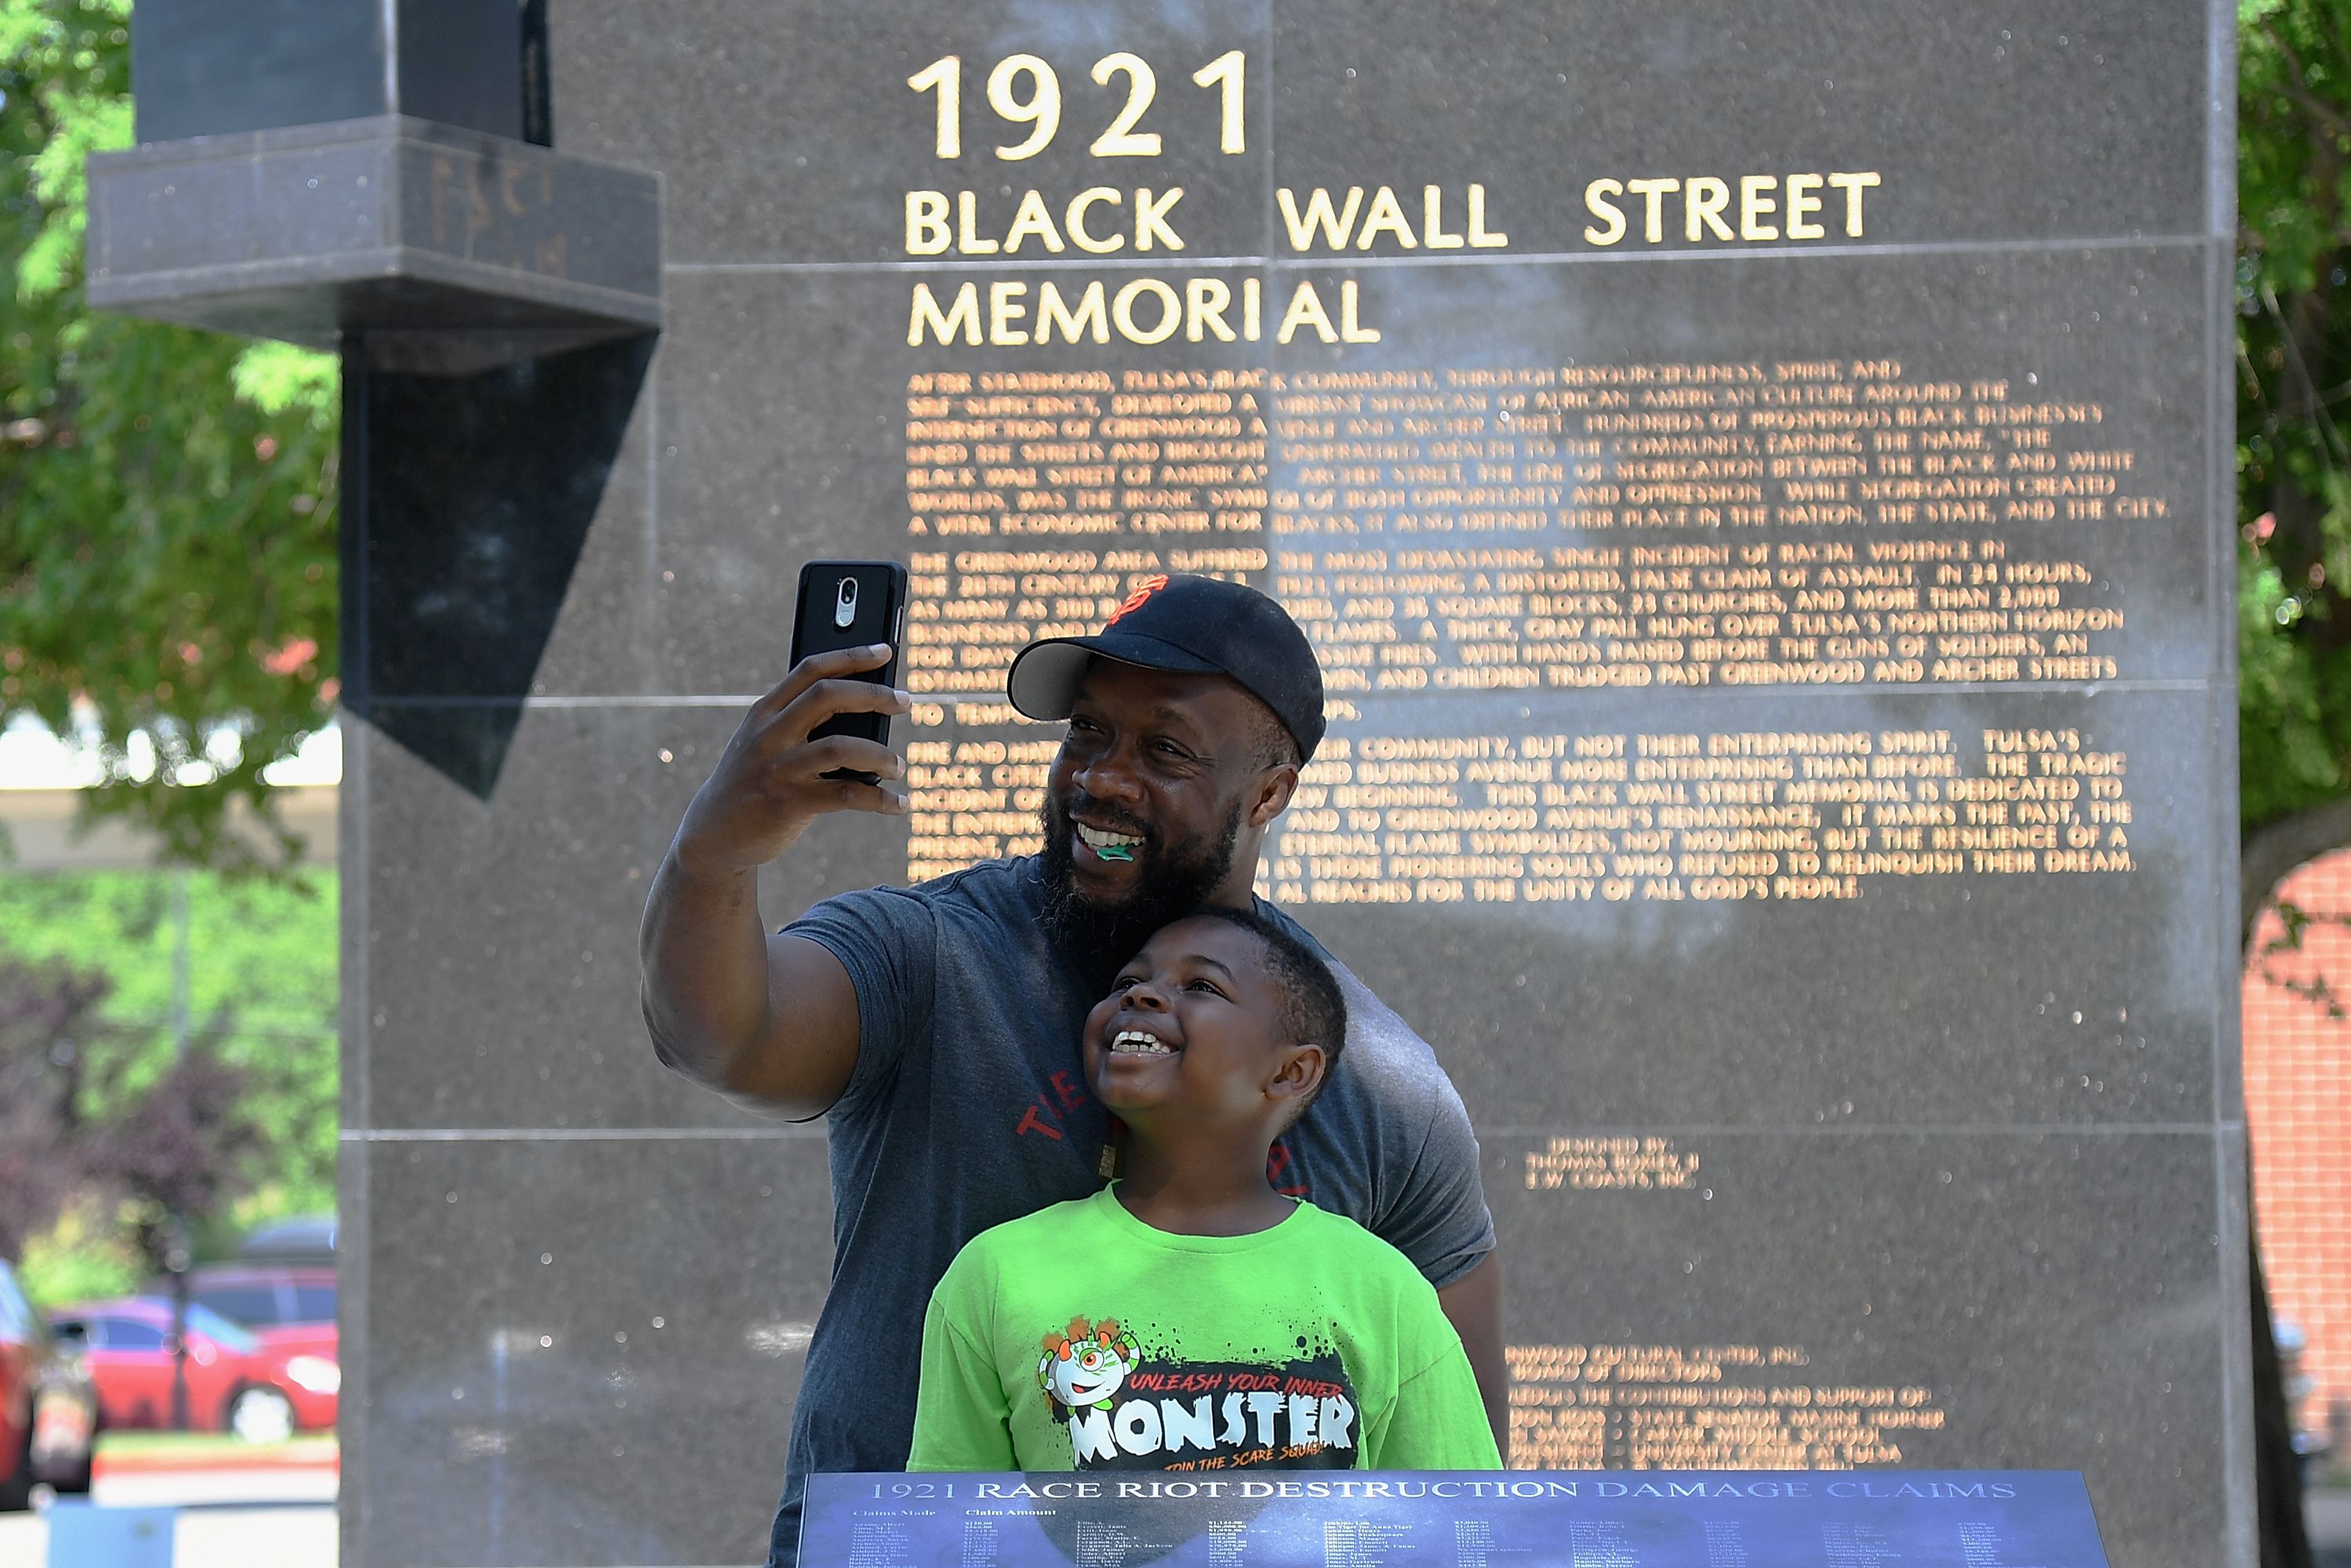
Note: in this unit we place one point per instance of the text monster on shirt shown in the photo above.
(1125, 1410)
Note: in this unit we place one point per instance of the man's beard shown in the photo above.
(1095, 938)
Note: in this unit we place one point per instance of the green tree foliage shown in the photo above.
(82, 1128)
(260, 987)
(44, 1009)
(2294, 401)
(167, 496)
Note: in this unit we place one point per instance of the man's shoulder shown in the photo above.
(1005, 889)
(1388, 1140)
(1365, 1008)
(1007, 879)
(997, 891)
(1287, 921)
(1384, 1054)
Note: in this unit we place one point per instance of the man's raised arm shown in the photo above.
(770, 1020)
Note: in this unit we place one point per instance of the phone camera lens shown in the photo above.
(844, 603)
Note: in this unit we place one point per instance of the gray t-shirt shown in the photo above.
(968, 1107)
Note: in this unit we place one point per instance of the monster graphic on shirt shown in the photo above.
(1127, 1410)
(1085, 1364)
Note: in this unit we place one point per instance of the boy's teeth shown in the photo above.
(1137, 1040)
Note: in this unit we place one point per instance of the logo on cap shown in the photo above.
(1143, 591)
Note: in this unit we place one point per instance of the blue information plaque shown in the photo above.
(1455, 1519)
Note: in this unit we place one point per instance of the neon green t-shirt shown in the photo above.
(1079, 1337)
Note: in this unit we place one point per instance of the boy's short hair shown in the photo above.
(1314, 1011)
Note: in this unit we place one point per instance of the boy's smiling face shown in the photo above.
(1193, 1034)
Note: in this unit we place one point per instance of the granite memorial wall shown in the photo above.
(1758, 480)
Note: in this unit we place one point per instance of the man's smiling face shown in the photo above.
(1155, 803)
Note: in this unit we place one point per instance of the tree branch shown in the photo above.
(2299, 91)
(2291, 338)
(2273, 851)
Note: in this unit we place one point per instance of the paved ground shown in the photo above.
(263, 1516)
(206, 1537)
(247, 1488)
(2328, 1515)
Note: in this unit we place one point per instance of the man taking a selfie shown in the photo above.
(934, 1027)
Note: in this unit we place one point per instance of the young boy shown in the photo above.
(1189, 1317)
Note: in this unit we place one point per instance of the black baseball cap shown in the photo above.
(1201, 625)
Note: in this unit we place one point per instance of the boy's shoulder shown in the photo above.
(1355, 1248)
(1048, 1227)
(1315, 1242)
(1053, 1219)
(1312, 1227)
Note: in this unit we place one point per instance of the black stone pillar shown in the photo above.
(210, 68)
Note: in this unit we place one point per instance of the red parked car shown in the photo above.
(236, 1382)
(289, 1307)
(48, 1410)
(263, 1295)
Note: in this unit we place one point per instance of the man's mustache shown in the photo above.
(1102, 814)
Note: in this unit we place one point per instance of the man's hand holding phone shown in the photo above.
(770, 782)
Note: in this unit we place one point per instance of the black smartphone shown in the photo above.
(852, 604)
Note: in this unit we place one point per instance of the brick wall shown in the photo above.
(2298, 1108)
